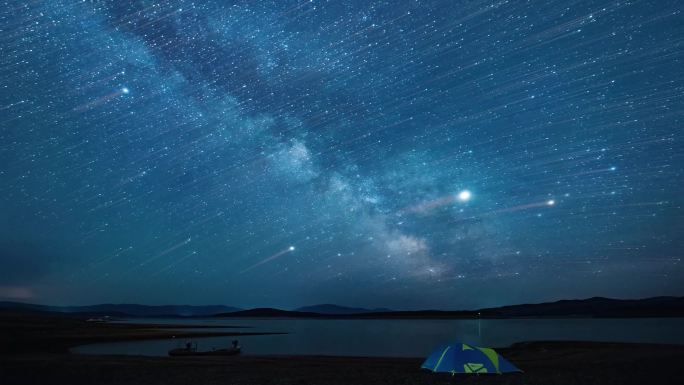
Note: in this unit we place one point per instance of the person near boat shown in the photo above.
(190, 349)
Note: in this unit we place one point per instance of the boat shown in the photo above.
(190, 349)
(214, 352)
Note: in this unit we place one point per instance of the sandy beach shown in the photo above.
(35, 351)
(544, 363)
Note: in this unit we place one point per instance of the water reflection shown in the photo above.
(401, 338)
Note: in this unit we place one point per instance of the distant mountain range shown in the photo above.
(596, 307)
(127, 310)
(271, 313)
(336, 309)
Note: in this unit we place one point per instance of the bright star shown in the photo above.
(464, 196)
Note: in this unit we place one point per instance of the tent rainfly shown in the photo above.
(463, 358)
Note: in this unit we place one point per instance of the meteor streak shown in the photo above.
(424, 207)
(269, 259)
(547, 203)
(167, 251)
(102, 100)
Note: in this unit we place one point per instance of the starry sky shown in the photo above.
(404, 154)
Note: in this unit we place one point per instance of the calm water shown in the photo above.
(403, 338)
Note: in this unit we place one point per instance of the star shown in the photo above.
(464, 195)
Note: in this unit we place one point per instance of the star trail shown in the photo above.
(405, 154)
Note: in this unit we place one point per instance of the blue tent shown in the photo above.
(462, 358)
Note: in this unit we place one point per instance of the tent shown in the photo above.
(462, 358)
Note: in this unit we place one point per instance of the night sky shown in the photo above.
(403, 154)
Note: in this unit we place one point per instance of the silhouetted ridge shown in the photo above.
(123, 310)
(595, 307)
(337, 309)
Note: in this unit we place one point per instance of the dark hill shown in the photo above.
(598, 307)
(270, 312)
(123, 310)
(332, 309)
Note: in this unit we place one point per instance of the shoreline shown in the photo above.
(49, 333)
(543, 363)
(35, 350)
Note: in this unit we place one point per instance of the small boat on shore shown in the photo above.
(190, 349)
(215, 352)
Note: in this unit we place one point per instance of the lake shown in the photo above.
(399, 337)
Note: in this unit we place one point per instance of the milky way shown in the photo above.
(407, 154)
